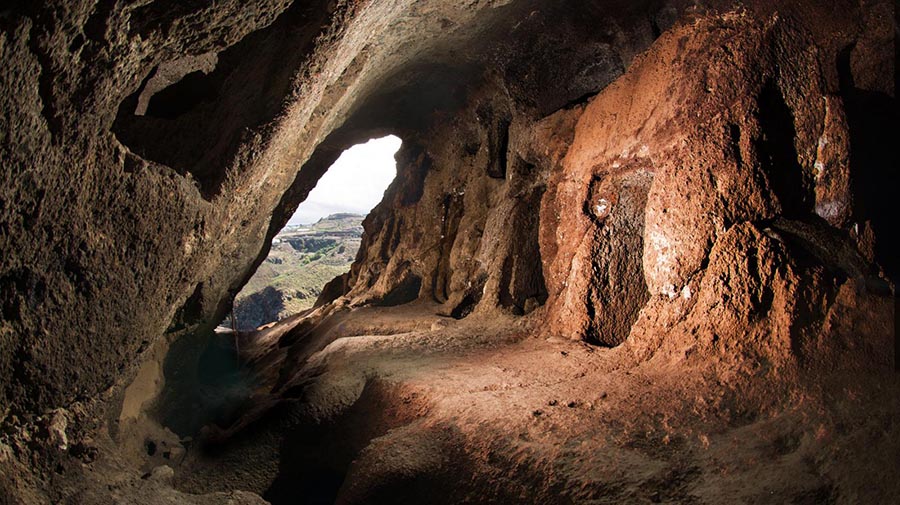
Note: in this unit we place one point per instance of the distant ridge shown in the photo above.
(340, 215)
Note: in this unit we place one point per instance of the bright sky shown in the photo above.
(355, 183)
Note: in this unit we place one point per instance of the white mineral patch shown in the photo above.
(669, 291)
(601, 209)
(665, 260)
(830, 209)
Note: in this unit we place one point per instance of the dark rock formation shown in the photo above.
(259, 308)
(704, 189)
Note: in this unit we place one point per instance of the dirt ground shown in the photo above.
(487, 411)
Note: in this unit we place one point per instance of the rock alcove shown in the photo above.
(635, 252)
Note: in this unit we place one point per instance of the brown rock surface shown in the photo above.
(635, 252)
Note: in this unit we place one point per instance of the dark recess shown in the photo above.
(179, 98)
(405, 292)
(471, 300)
(190, 312)
(499, 145)
(205, 383)
(465, 307)
(777, 153)
(618, 290)
(196, 125)
(97, 23)
(522, 276)
(453, 211)
(414, 163)
(873, 119)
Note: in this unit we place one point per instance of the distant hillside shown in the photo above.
(302, 260)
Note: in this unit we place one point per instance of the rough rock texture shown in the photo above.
(718, 214)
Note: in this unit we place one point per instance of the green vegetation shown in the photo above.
(301, 261)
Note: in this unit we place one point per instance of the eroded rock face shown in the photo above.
(477, 232)
(717, 203)
(722, 143)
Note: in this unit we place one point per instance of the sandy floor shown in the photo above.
(482, 410)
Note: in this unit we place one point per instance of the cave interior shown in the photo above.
(635, 252)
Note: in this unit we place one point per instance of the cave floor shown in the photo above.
(409, 400)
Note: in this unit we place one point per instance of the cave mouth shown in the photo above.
(317, 244)
(321, 240)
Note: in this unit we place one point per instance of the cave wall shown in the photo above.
(469, 197)
(100, 247)
(739, 140)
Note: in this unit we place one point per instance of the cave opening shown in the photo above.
(321, 239)
(206, 381)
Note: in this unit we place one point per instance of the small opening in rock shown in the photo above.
(405, 292)
(320, 241)
(465, 307)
